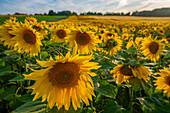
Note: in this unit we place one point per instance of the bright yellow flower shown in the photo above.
(125, 72)
(59, 35)
(151, 49)
(130, 43)
(5, 36)
(113, 44)
(86, 41)
(163, 81)
(64, 80)
(27, 39)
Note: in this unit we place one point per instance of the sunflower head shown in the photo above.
(30, 20)
(64, 81)
(85, 40)
(125, 72)
(113, 44)
(163, 81)
(151, 48)
(27, 39)
(59, 34)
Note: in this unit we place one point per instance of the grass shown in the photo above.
(22, 18)
(136, 18)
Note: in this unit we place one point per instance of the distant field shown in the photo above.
(22, 18)
(132, 18)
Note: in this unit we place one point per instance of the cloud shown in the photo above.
(43, 6)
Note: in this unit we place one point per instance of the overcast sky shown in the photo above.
(43, 6)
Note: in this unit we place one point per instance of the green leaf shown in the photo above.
(8, 93)
(5, 70)
(32, 106)
(145, 103)
(26, 98)
(44, 54)
(112, 107)
(146, 87)
(18, 78)
(14, 103)
(2, 63)
(163, 109)
(107, 89)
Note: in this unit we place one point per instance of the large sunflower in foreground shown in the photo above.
(151, 49)
(125, 72)
(64, 81)
(86, 41)
(163, 81)
(27, 39)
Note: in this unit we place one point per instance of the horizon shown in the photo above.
(103, 6)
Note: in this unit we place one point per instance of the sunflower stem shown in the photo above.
(25, 63)
(131, 98)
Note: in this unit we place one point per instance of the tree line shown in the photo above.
(162, 12)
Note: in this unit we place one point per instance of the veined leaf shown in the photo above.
(107, 89)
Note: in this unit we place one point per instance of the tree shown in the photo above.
(51, 12)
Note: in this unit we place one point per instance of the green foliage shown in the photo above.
(31, 106)
(112, 107)
(107, 89)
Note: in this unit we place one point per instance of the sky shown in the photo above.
(43, 6)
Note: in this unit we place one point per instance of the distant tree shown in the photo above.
(135, 13)
(82, 13)
(45, 13)
(74, 13)
(122, 14)
(127, 14)
(51, 12)
(99, 13)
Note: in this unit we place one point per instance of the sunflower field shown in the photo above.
(84, 65)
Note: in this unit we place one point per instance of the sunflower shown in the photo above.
(30, 20)
(27, 39)
(113, 44)
(64, 81)
(163, 81)
(125, 36)
(161, 31)
(40, 28)
(5, 35)
(125, 72)
(109, 34)
(138, 41)
(86, 41)
(130, 43)
(151, 49)
(59, 34)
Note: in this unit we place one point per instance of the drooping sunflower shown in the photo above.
(130, 43)
(113, 44)
(59, 34)
(86, 41)
(152, 48)
(64, 81)
(163, 81)
(27, 39)
(125, 72)
(138, 41)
